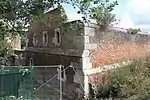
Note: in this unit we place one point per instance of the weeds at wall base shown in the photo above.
(129, 82)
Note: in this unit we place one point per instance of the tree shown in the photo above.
(27, 10)
(102, 13)
(17, 15)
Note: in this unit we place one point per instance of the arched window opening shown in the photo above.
(45, 38)
(35, 39)
(57, 37)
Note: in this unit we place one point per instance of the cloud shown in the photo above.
(74, 16)
(143, 22)
(126, 21)
(139, 6)
(139, 12)
(132, 14)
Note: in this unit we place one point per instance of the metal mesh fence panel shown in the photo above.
(42, 83)
(44, 88)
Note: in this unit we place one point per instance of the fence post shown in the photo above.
(31, 77)
(60, 81)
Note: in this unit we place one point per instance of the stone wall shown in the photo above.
(116, 45)
(109, 47)
(85, 46)
(48, 22)
(72, 36)
(69, 52)
(71, 43)
(42, 74)
(51, 59)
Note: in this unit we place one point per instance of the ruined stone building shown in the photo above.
(84, 46)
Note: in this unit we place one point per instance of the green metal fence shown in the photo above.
(32, 83)
(16, 86)
(9, 84)
(11, 79)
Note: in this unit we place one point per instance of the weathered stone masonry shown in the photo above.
(67, 52)
(113, 45)
(86, 47)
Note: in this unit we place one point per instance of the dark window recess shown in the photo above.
(70, 75)
(62, 72)
(70, 78)
(70, 71)
(91, 90)
(57, 35)
(45, 36)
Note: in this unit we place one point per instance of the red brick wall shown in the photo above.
(116, 45)
(113, 53)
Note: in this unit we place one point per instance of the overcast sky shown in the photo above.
(132, 14)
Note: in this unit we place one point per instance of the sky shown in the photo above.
(131, 13)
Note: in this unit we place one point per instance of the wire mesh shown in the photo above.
(42, 83)
(48, 91)
(46, 85)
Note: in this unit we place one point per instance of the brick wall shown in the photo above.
(117, 45)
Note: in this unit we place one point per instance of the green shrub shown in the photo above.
(127, 82)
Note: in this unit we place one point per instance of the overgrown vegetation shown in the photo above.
(134, 31)
(103, 13)
(129, 82)
(17, 15)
